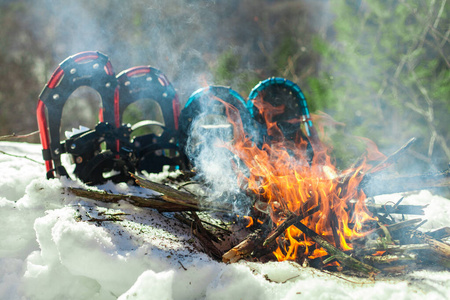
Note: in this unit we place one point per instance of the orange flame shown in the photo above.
(250, 221)
(286, 178)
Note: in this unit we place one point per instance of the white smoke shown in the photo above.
(216, 166)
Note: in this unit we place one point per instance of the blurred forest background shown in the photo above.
(380, 69)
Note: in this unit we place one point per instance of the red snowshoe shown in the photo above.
(140, 84)
(106, 152)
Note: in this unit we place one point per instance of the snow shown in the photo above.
(50, 250)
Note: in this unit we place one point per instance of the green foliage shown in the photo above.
(229, 71)
(283, 52)
(390, 73)
(227, 67)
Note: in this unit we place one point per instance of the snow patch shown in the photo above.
(50, 249)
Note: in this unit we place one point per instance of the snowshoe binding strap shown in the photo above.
(94, 165)
(92, 69)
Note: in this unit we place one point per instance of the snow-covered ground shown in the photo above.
(49, 250)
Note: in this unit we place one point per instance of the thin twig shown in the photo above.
(15, 136)
(392, 158)
(20, 156)
(286, 224)
(340, 277)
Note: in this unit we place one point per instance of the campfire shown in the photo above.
(275, 193)
(318, 214)
(303, 208)
(291, 187)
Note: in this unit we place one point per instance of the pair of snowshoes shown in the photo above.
(111, 151)
(208, 115)
(107, 152)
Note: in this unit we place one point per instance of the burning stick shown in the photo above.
(336, 253)
(244, 248)
(286, 224)
(391, 158)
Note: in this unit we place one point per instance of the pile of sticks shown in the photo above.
(386, 245)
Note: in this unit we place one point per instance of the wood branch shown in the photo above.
(391, 158)
(388, 259)
(160, 203)
(244, 248)
(373, 186)
(21, 156)
(440, 249)
(204, 237)
(110, 219)
(15, 136)
(396, 209)
(172, 195)
(440, 233)
(336, 253)
(396, 248)
(191, 223)
(152, 202)
(391, 228)
(286, 224)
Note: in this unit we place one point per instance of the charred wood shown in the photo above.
(440, 234)
(245, 248)
(337, 254)
(204, 237)
(396, 209)
(377, 185)
(286, 224)
(390, 228)
(440, 249)
(191, 223)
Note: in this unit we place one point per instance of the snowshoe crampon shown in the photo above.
(107, 152)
